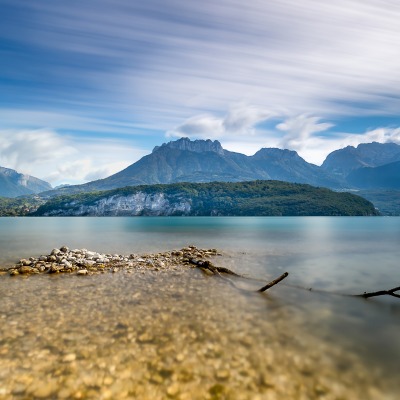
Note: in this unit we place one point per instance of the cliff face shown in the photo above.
(139, 203)
(196, 146)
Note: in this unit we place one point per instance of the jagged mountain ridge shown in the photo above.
(184, 160)
(14, 184)
(342, 162)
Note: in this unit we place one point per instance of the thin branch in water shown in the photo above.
(390, 292)
(273, 283)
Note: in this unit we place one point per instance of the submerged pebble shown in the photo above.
(154, 335)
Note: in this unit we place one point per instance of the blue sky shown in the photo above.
(88, 87)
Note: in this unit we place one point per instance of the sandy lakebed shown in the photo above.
(152, 326)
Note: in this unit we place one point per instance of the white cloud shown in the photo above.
(57, 159)
(239, 121)
(299, 129)
(84, 170)
(27, 149)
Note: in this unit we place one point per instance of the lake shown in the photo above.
(191, 336)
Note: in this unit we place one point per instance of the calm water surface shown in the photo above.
(190, 336)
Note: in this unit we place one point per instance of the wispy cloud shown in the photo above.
(240, 120)
(48, 155)
(210, 69)
(167, 62)
(298, 130)
(21, 149)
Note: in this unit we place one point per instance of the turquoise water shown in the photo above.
(352, 253)
(325, 345)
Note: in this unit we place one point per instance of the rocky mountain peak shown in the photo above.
(197, 146)
(275, 153)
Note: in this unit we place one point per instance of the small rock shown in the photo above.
(66, 264)
(69, 357)
(54, 269)
(64, 249)
(82, 272)
(54, 252)
(173, 389)
(14, 272)
(25, 270)
(223, 374)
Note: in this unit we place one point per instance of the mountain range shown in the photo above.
(14, 184)
(185, 160)
(367, 166)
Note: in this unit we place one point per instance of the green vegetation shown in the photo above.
(254, 198)
(19, 206)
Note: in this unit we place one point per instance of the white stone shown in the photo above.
(82, 272)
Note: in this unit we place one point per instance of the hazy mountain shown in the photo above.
(184, 160)
(384, 177)
(341, 162)
(14, 184)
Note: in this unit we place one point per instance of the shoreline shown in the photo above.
(86, 262)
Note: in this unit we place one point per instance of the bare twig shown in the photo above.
(273, 283)
(390, 292)
(208, 267)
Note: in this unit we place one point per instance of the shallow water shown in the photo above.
(185, 335)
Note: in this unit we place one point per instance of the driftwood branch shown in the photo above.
(273, 283)
(209, 268)
(390, 292)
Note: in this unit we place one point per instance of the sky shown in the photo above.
(89, 87)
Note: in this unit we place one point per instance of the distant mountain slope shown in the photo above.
(255, 198)
(14, 184)
(384, 177)
(184, 160)
(341, 162)
(287, 165)
(386, 201)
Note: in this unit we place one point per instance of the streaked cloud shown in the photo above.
(53, 157)
(213, 69)
(240, 120)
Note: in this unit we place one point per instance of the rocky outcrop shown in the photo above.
(197, 146)
(139, 203)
